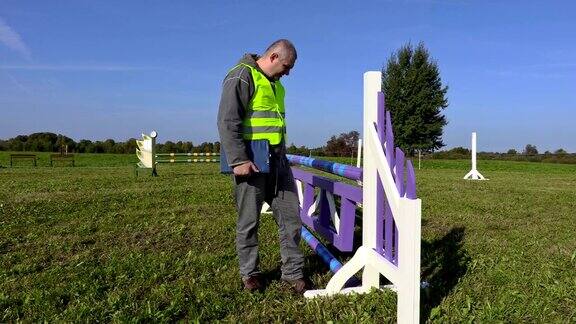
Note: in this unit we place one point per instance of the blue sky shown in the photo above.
(99, 69)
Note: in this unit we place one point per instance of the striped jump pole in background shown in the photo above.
(182, 157)
(187, 161)
(187, 154)
(391, 213)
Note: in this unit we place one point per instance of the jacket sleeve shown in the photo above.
(237, 89)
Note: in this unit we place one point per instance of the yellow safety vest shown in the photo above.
(264, 118)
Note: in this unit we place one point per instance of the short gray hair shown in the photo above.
(284, 47)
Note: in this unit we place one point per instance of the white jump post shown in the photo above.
(146, 153)
(359, 159)
(474, 174)
(359, 154)
(405, 276)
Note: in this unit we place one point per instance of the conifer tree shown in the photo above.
(415, 97)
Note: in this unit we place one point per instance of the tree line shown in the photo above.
(343, 145)
(528, 154)
(50, 142)
(529, 150)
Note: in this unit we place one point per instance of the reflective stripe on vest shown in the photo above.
(262, 114)
(264, 117)
(263, 129)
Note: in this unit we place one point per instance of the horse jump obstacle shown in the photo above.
(23, 156)
(391, 213)
(148, 157)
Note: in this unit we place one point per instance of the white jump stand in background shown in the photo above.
(146, 153)
(474, 174)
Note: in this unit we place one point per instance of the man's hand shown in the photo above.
(245, 169)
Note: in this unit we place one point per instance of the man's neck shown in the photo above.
(260, 62)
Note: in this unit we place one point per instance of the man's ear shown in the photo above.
(273, 57)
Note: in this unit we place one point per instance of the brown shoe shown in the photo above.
(253, 283)
(299, 286)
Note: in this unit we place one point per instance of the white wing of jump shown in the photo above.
(300, 194)
(333, 213)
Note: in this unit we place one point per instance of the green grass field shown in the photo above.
(95, 243)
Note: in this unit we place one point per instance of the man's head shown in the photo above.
(278, 59)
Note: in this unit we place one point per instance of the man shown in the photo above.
(252, 108)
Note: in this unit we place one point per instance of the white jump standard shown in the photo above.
(474, 174)
(145, 153)
(391, 215)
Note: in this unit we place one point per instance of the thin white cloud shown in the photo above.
(18, 84)
(10, 38)
(96, 68)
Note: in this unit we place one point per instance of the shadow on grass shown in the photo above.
(313, 265)
(271, 275)
(444, 261)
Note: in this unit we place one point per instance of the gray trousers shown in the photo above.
(278, 189)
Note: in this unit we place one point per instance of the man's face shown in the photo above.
(281, 66)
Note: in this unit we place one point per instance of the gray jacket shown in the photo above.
(237, 91)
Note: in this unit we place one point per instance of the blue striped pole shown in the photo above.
(321, 250)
